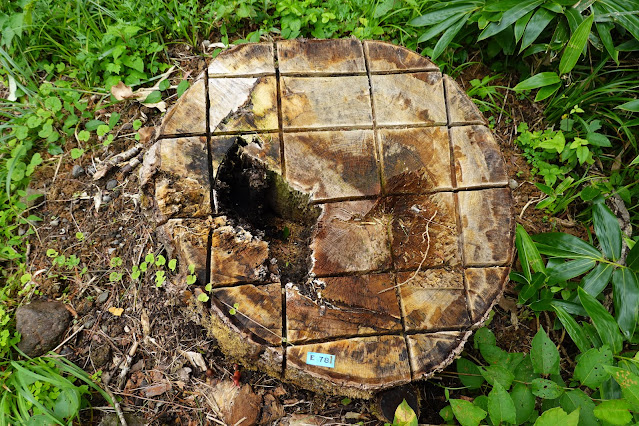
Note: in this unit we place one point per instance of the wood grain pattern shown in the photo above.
(487, 226)
(243, 104)
(432, 352)
(461, 108)
(485, 286)
(182, 188)
(332, 164)
(412, 229)
(344, 226)
(188, 115)
(320, 56)
(250, 58)
(415, 160)
(433, 299)
(318, 102)
(415, 98)
(344, 307)
(186, 240)
(236, 255)
(259, 310)
(478, 159)
(364, 362)
(384, 56)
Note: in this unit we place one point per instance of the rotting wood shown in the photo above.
(347, 200)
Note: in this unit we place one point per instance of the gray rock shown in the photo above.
(111, 184)
(88, 323)
(106, 199)
(54, 222)
(77, 171)
(100, 355)
(513, 184)
(103, 297)
(42, 325)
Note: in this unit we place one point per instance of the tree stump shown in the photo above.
(346, 205)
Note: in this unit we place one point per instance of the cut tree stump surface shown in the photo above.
(340, 197)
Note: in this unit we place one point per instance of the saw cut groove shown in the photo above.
(336, 197)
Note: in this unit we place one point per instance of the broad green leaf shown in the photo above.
(575, 332)
(602, 320)
(439, 15)
(607, 230)
(546, 389)
(404, 415)
(469, 374)
(524, 372)
(436, 29)
(528, 255)
(568, 270)
(597, 279)
(632, 260)
(557, 416)
(497, 374)
(625, 290)
(632, 106)
(501, 407)
(153, 98)
(493, 355)
(577, 399)
(520, 25)
(558, 244)
(629, 383)
(536, 26)
(524, 402)
(448, 36)
(446, 413)
(537, 81)
(575, 45)
(614, 411)
(546, 92)
(570, 307)
(466, 413)
(590, 367)
(181, 88)
(592, 334)
(510, 16)
(484, 336)
(544, 354)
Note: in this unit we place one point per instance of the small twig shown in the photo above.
(116, 404)
(57, 169)
(127, 364)
(69, 338)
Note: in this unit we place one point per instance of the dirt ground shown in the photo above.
(161, 386)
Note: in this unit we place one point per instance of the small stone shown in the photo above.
(89, 322)
(42, 325)
(115, 242)
(106, 199)
(103, 297)
(111, 250)
(513, 184)
(100, 355)
(54, 222)
(91, 170)
(111, 184)
(77, 171)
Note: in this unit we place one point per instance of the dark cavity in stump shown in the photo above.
(259, 200)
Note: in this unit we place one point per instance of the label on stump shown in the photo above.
(321, 360)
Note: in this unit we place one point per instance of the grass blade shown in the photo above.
(538, 80)
(529, 257)
(558, 244)
(509, 16)
(575, 46)
(607, 230)
(605, 324)
(536, 26)
(625, 290)
(574, 330)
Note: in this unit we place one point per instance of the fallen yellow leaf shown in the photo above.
(116, 311)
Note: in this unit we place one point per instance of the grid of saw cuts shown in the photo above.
(406, 172)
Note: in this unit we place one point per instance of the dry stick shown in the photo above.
(116, 404)
(423, 258)
(106, 165)
(127, 364)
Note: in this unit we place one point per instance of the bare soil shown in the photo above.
(156, 324)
